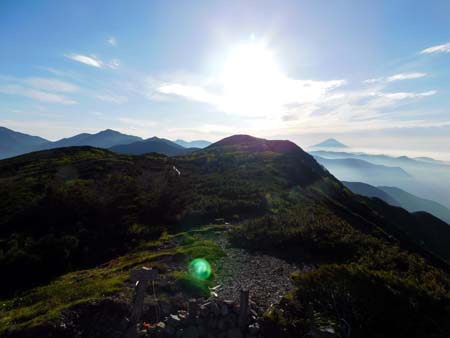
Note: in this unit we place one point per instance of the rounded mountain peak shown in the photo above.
(251, 143)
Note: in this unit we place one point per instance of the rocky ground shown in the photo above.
(167, 308)
(266, 277)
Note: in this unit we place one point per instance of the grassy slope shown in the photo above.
(45, 303)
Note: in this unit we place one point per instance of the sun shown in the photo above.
(251, 80)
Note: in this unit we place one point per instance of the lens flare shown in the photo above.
(200, 268)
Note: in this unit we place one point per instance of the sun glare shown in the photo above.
(252, 79)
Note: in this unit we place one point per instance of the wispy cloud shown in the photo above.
(194, 93)
(94, 61)
(91, 60)
(112, 41)
(305, 104)
(374, 80)
(42, 89)
(408, 95)
(405, 76)
(36, 94)
(114, 64)
(359, 109)
(117, 99)
(445, 48)
(59, 72)
(52, 85)
(396, 77)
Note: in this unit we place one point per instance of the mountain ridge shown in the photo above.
(152, 145)
(398, 197)
(102, 139)
(193, 144)
(429, 179)
(254, 144)
(101, 214)
(15, 143)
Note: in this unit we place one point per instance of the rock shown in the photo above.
(182, 314)
(234, 333)
(229, 302)
(254, 329)
(205, 306)
(161, 325)
(173, 320)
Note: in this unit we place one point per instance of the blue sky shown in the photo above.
(374, 74)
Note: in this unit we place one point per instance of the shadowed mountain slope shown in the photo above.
(103, 139)
(413, 203)
(13, 143)
(368, 190)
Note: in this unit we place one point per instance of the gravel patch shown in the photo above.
(267, 278)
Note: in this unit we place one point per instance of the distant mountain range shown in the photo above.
(422, 176)
(398, 197)
(330, 143)
(402, 161)
(152, 145)
(428, 178)
(103, 139)
(352, 169)
(368, 190)
(193, 144)
(13, 143)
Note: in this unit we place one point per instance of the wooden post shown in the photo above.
(243, 309)
(140, 277)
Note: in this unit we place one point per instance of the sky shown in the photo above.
(373, 74)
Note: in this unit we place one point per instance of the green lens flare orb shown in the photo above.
(200, 268)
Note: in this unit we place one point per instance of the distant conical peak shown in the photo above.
(331, 143)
